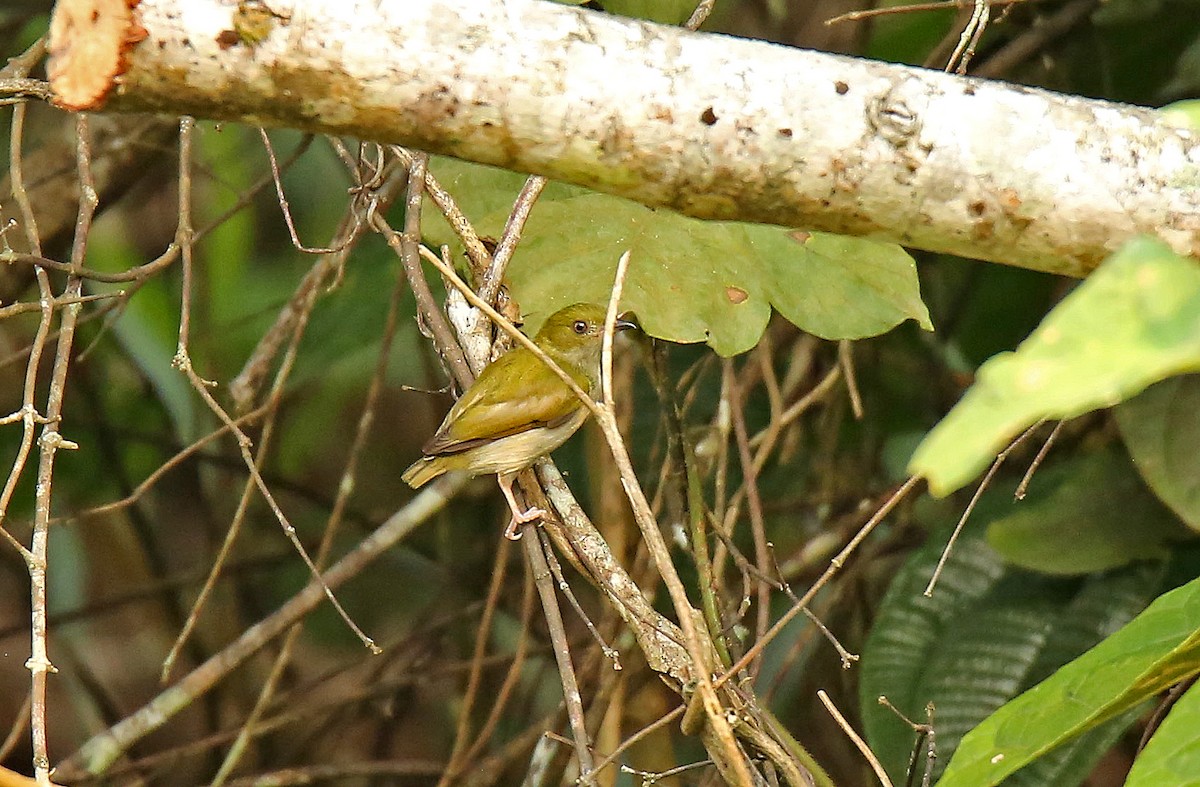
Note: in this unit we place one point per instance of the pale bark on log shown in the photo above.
(712, 126)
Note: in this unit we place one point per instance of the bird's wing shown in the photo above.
(487, 411)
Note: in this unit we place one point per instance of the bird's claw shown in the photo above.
(513, 532)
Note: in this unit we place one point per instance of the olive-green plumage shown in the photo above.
(518, 409)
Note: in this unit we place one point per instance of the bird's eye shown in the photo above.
(580, 327)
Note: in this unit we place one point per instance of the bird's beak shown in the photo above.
(627, 322)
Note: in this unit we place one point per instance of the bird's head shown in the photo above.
(575, 333)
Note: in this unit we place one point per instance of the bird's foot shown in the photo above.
(519, 518)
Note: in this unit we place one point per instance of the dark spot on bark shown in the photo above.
(1010, 200)
(785, 132)
(227, 39)
(983, 230)
(841, 87)
(969, 90)
(708, 117)
(977, 208)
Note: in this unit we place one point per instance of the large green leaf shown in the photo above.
(1161, 427)
(1135, 321)
(689, 280)
(909, 627)
(1099, 609)
(1157, 649)
(692, 281)
(1173, 754)
(1087, 514)
(986, 633)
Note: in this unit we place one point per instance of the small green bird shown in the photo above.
(518, 410)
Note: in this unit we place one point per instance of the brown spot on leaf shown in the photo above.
(736, 295)
(800, 236)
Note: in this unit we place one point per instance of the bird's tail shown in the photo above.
(423, 471)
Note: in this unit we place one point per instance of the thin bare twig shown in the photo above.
(98, 753)
(650, 777)
(855, 738)
(62, 300)
(1035, 39)
(755, 509)
(846, 361)
(345, 488)
(562, 655)
(1163, 708)
(835, 565)
(941, 5)
(283, 203)
(649, 729)
(19, 725)
(148, 483)
(960, 59)
(700, 14)
(1023, 487)
(183, 362)
(477, 253)
(28, 413)
(49, 443)
(925, 734)
(244, 387)
(489, 288)
(731, 762)
(515, 669)
(560, 580)
(407, 247)
(482, 635)
(966, 514)
(17, 177)
(764, 441)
